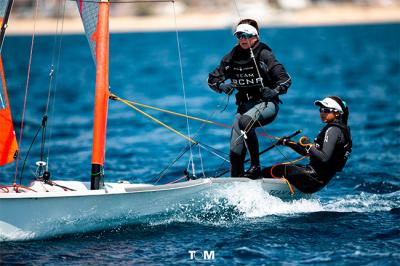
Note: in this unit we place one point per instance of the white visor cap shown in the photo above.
(246, 28)
(329, 103)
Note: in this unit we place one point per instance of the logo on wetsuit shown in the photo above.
(245, 77)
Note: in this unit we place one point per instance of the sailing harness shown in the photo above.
(342, 152)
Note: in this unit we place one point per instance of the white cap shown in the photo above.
(246, 28)
(329, 103)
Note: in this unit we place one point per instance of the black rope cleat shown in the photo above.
(46, 177)
(188, 175)
(113, 97)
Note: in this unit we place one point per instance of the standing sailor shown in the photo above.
(328, 154)
(260, 79)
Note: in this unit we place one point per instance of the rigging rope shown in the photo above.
(164, 171)
(156, 120)
(26, 90)
(115, 97)
(178, 114)
(43, 127)
(183, 85)
(237, 9)
(186, 148)
(194, 142)
(56, 77)
(285, 163)
(283, 177)
(51, 74)
(201, 145)
(204, 146)
(27, 154)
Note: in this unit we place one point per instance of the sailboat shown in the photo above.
(49, 208)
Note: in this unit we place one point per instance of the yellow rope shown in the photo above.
(115, 97)
(132, 105)
(283, 177)
(154, 119)
(171, 112)
(289, 185)
(295, 161)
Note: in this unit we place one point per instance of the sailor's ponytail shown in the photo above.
(345, 116)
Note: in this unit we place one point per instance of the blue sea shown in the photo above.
(354, 220)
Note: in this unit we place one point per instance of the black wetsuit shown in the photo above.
(253, 110)
(329, 155)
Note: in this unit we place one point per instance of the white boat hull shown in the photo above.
(36, 215)
(25, 216)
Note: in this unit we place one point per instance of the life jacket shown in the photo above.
(243, 73)
(342, 150)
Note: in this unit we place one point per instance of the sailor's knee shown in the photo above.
(234, 153)
(245, 122)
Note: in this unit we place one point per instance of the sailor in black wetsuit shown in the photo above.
(328, 155)
(260, 79)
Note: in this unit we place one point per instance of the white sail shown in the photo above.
(89, 12)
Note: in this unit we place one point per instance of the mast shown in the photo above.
(101, 37)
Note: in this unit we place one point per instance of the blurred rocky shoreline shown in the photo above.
(221, 14)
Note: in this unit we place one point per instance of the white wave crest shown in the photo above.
(364, 202)
(249, 200)
(252, 201)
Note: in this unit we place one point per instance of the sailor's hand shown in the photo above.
(283, 141)
(226, 88)
(268, 93)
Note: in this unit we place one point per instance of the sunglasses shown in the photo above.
(244, 35)
(327, 110)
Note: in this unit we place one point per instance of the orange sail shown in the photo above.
(8, 140)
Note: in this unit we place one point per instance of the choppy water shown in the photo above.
(354, 220)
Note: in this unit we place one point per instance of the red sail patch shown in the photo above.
(8, 140)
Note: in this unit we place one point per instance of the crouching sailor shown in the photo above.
(328, 155)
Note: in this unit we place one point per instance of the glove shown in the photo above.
(268, 93)
(227, 88)
(283, 141)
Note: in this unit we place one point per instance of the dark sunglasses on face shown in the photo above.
(244, 35)
(326, 110)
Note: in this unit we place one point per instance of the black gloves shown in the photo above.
(268, 93)
(226, 88)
